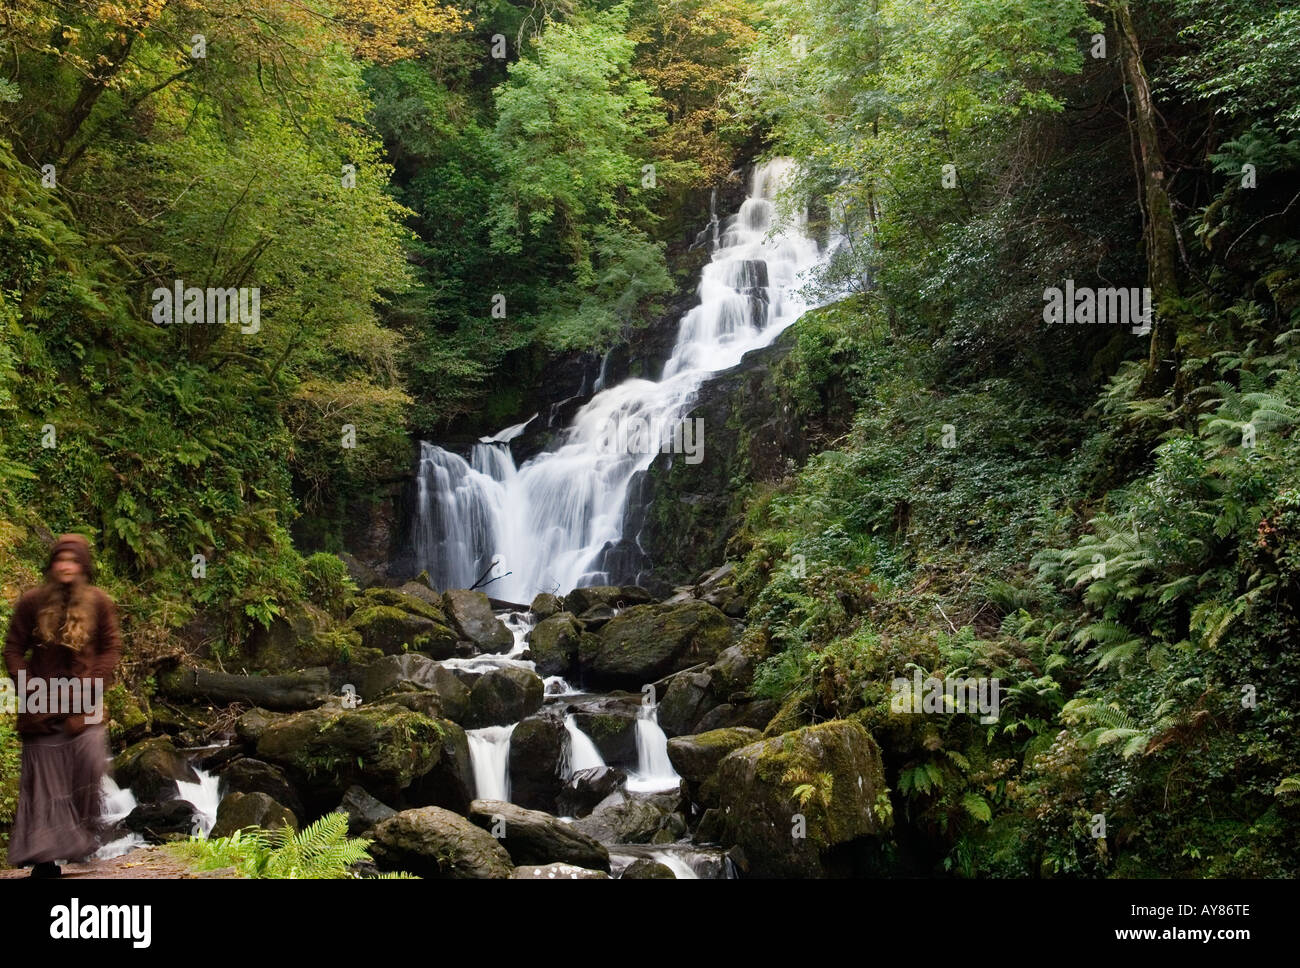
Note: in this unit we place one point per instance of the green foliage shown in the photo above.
(10, 771)
(322, 850)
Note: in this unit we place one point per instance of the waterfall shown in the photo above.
(654, 771)
(549, 523)
(205, 796)
(582, 752)
(489, 756)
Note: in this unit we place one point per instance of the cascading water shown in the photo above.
(654, 771)
(489, 756)
(581, 753)
(549, 522)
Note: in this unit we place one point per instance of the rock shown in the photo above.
(160, 822)
(434, 843)
(696, 757)
(686, 700)
(586, 788)
(421, 600)
(565, 872)
(359, 571)
(614, 596)
(250, 726)
(151, 769)
(536, 757)
(647, 642)
(611, 724)
(392, 674)
(732, 672)
(596, 617)
(504, 696)
(418, 589)
(394, 630)
(471, 615)
(291, 641)
(644, 869)
(627, 819)
(553, 643)
(756, 789)
(383, 747)
(545, 605)
(240, 810)
(363, 810)
(755, 715)
(712, 827)
(450, 784)
(247, 775)
(535, 837)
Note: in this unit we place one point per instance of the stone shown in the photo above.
(647, 642)
(545, 605)
(686, 700)
(151, 769)
(564, 872)
(536, 837)
(504, 696)
(363, 810)
(434, 843)
(536, 759)
(238, 811)
(471, 615)
(696, 757)
(248, 775)
(553, 643)
(394, 630)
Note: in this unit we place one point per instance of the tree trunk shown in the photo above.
(300, 690)
(1161, 240)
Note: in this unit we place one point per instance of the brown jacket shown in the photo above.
(24, 650)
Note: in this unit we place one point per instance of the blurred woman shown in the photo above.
(63, 630)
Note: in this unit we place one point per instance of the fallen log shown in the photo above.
(298, 690)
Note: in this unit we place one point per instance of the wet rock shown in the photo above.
(535, 837)
(363, 810)
(687, 699)
(434, 843)
(393, 631)
(504, 696)
(240, 810)
(450, 784)
(696, 757)
(544, 606)
(553, 643)
(393, 674)
(611, 724)
(756, 786)
(471, 615)
(586, 788)
(755, 715)
(614, 596)
(647, 642)
(161, 822)
(627, 818)
(250, 726)
(247, 775)
(151, 769)
(645, 869)
(566, 872)
(536, 760)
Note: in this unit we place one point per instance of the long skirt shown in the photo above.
(59, 797)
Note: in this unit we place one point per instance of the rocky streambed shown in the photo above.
(602, 734)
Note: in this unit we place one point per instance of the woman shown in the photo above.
(69, 627)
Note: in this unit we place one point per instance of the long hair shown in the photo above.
(67, 613)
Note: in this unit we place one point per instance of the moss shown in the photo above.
(407, 603)
(126, 714)
(604, 725)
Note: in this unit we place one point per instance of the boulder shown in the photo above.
(587, 788)
(597, 617)
(247, 775)
(450, 784)
(566, 872)
(363, 810)
(644, 869)
(250, 726)
(421, 591)
(611, 724)
(628, 819)
(394, 630)
(546, 605)
(732, 671)
(151, 769)
(647, 642)
(160, 822)
(686, 700)
(471, 615)
(504, 696)
(755, 715)
(431, 842)
(756, 785)
(535, 837)
(536, 761)
(553, 643)
(696, 758)
(240, 810)
(383, 747)
(614, 596)
(394, 675)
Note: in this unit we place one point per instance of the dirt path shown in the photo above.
(143, 863)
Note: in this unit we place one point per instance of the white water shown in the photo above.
(489, 756)
(205, 796)
(547, 523)
(582, 752)
(116, 804)
(654, 771)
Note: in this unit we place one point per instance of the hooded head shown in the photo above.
(67, 610)
(79, 547)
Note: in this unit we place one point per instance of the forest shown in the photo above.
(1035, 423)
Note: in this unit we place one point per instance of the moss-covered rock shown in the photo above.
(239, 811)
(151, 769)
(545, 605)
(128, 715)
(394, 630)
(791, 800)
(696, 757)
(394, 678)
(536, 759)
(504, 696)
(418, 601)
(435, 843)
(381, 747)
(687, 699)
(613, 596)
(471, 615)
(554, 643)
(647, 642)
